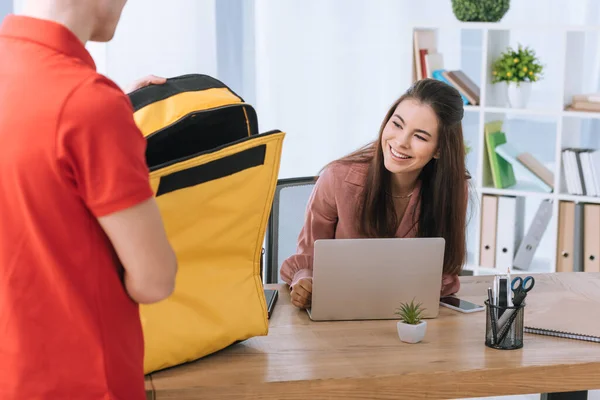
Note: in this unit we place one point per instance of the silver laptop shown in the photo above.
(359, 279)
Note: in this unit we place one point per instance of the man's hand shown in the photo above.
(145, 81)
(302, 293)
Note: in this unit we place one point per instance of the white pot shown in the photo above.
(518, 94)
(411, 333)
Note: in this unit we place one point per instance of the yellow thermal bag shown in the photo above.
(214, 178)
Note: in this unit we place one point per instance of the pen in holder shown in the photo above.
(504, 332)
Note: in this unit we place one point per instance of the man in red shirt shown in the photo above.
(81, 238)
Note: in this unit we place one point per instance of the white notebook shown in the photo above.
(568, 315)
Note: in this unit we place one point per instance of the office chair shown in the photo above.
(285, 222)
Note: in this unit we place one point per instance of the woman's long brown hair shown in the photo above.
(444, 181)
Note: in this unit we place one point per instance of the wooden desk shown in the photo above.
(357, 360)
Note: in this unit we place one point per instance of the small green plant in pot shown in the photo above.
(518, 68)
(411, 327)
(480, 10)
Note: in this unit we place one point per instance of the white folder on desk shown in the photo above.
(511, 216)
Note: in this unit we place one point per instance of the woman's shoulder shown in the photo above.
(342, 172)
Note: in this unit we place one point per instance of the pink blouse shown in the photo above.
(331, 213)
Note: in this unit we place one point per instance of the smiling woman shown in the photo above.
(410, 182)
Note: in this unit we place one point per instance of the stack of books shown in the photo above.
(582, 171)
(585, 102)
(429, 63)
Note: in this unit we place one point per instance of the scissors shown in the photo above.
(522, 287)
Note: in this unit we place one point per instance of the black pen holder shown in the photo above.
(504, 326)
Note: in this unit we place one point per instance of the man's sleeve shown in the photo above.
(100, 150)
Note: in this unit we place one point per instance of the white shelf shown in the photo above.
(513, 271)
(523, 111)
(522, 188)
(581, 114)
(515, 192)
(568, 47)
(539, 195)
(579, 199)
(533, 111)
(472, 108)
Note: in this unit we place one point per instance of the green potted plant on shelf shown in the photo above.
(518, 69)
(480, 10)
(411, 327)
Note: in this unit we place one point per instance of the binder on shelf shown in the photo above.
(594, 158)
(578, 237)
(574, 172)
(511, 216)
(588, 177)
(594, 165)
(580, 173)
(487, 231)
(581, 168)
(591, 237)
(567, 172)
(565, 237)
(534, 235)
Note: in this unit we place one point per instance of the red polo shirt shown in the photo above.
(69, 152)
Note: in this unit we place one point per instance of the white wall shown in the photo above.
(6, 7)
(326, 74)
(165, 38)
(159, 37)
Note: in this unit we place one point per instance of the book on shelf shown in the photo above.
(424, 42)
(589, 97)
(584, 106)
(429, 63)
(464, 85)
(581, 168)
(501, 171)
(441, 75)
(585, 102)
(433, 62)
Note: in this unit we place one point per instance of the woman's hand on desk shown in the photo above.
(450, 284)
(302, 293)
